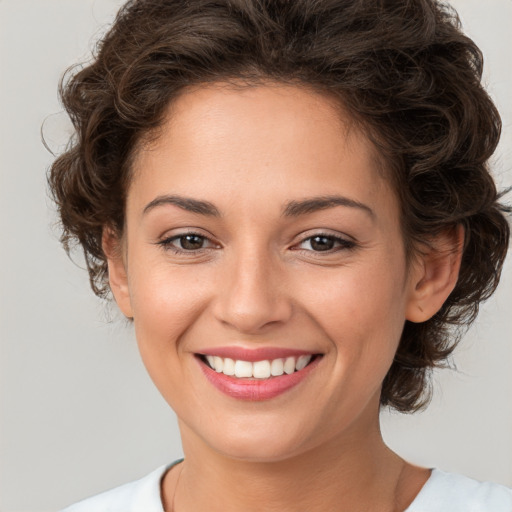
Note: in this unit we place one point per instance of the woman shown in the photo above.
(291, 201)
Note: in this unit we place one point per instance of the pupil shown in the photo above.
(322, 243)
(191, 242)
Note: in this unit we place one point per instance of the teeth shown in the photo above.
(259, 369)
(276, 367)
(289, 365)
(302, 362)
(218, 364)
(243, 369)
(229, 367)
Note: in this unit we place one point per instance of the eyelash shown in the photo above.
(343, 244)
(167, 243)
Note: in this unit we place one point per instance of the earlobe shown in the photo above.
(117, 274)
(435, 275)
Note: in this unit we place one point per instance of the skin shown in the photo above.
(257, 280)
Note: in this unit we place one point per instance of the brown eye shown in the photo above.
(191, 242)
(322, 243)
(325, 243)
(187, 243)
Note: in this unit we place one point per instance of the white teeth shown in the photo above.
(259, 369)
(289, 365)
(302, 362)
(218, 364)
(276, 367)
(243, 369)
(229, 367)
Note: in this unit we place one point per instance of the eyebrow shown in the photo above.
(185, 203)
(314, 204)
(292, 208)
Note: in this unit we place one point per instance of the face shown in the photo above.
(261, 237)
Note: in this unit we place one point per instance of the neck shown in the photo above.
(356, 473)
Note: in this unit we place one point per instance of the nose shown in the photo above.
(252, 296)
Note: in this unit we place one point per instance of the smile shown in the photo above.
(260, 369)
(246, 375)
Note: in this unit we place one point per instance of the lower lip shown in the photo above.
(255, 389)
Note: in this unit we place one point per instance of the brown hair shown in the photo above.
(401, 68)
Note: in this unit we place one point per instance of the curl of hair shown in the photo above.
(401, 68)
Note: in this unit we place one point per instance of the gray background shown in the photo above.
(78, 413)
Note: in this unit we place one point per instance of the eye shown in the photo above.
(187, 242)
(325, 243)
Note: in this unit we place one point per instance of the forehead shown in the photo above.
(257, 136)
(260, 100)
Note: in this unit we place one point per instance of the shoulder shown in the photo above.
(142, 495)
(451, 492)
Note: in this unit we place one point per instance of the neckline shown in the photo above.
(434, 473)
(161, 480)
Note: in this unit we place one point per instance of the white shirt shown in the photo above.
(443, 492)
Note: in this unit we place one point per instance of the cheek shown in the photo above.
(166, 305)
(166, 301)
(362, 310)
(361, 295)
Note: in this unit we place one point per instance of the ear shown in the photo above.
(434, 275)
(117, 274)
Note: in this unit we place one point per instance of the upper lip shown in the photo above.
(255, 354)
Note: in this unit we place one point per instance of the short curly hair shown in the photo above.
(402, 69)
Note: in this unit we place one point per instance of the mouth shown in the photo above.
(259, 370)
(247, 376)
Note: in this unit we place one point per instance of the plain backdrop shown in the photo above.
(78, 412)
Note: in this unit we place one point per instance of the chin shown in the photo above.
(264, 441)
(263, 452)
